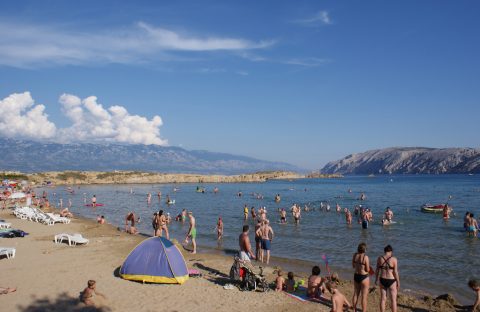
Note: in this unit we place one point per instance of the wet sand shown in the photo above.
(50, 277)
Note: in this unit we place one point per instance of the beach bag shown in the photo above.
(235, 271)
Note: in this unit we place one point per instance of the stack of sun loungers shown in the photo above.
(73, 239)
(37, 215)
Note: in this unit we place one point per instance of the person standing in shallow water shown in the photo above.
(192, 232)
(387, 274)
(361, 281)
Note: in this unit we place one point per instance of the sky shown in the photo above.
(304, 82)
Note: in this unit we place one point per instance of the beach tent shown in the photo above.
(155, 260)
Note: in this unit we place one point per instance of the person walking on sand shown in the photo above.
(192, 232)
(361, 281)
(387, 274)
(245, 247)
(219, 228)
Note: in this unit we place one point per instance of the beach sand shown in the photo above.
(50, 277)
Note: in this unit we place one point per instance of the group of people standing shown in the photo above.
(386, 276)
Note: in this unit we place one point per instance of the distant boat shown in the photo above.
(470, 174)
(433, 208)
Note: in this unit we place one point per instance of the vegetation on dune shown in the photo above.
(71, 175)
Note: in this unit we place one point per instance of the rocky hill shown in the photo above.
(30, 156)
(411, 160)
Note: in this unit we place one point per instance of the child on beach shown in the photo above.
(88, 293)
(290, 283)
(314, 283)
(475, 286)
(338, 299)
(280, 281)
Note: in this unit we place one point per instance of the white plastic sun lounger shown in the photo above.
(5, 225)
(57, 218)
(73, 239)
(7, 251)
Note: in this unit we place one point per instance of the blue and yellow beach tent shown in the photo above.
(155, 260)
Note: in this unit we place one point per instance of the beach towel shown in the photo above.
(301, 295)
(9, 233)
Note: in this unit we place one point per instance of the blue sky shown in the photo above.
(304, 82)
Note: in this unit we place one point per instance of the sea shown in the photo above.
(435, 256)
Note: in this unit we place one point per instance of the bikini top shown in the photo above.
(386, 265)
(362, 262)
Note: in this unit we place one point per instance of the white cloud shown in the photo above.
(33, 45)
(21, 118)
(90, 122)
(307, 62)
(321, 17)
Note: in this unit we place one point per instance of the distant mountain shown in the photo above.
(31, 156)
(411, 160)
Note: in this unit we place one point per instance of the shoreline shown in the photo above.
(106, 251)
(137, 177)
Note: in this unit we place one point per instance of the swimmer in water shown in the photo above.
(348, 216)
(388, 216)
(219, 228)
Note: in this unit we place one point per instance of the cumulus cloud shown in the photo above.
(21, 118)
(23, 45)
(90, 122)
(321, 17)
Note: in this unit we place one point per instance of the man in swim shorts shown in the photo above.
(245, 247)
(266, 234)
(192, 232)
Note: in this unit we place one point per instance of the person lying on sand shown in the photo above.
(338, 299)
(88, 293)
(7, 290)
(66, 213)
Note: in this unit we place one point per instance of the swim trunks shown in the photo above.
(244, 256)
(193, 233)
(365, 224)
(265, 244)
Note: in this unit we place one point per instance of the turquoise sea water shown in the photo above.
(434, 255)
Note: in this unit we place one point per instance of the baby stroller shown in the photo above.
(244, 273)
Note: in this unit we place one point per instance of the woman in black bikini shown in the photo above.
(387, 273)
(361, 282)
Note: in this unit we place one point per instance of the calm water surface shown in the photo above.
(434, 255)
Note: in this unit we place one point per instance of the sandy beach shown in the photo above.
(50, 277)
